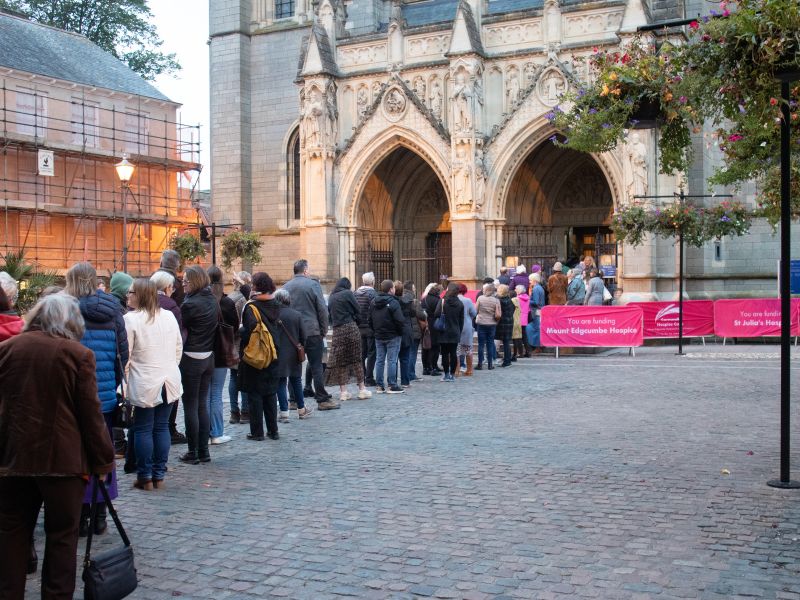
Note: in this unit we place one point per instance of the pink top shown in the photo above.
(524, 308)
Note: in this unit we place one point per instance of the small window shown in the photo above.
(31, 113)
(717, 250)
(293, 176)
(284, 9)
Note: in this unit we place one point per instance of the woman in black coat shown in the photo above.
(290, 369)
(453, 310)
(430, 356)
(261, 385)
(505, 326)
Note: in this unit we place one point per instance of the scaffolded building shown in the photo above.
(68, 113)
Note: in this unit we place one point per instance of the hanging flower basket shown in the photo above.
(647, 114)
(240, 245)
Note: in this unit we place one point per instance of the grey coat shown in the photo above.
(468, 331)
(287, 353)
(594, 293)
(307, 299)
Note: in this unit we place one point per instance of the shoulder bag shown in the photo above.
(440, 324)
(498, 311)
(225, 354)
(123, 412)
(298, 347)
(112, 574)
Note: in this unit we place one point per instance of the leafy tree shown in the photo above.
(120, 27)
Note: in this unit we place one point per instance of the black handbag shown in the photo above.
(123, 412)
(225, 352)
(112, 574)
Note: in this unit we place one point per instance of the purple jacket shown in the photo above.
(520, 279)
(169, 304)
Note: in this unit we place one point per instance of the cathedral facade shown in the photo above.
(410, 138)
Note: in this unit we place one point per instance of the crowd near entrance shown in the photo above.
(404, 221)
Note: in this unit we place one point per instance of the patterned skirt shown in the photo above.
(344, 356)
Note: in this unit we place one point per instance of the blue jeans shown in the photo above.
(152, 441)
(233, 393)
(386, 355)
(402, 357)
(215, 401)
(283, 392)
(412, 360)
(486, 339)
(532, 332)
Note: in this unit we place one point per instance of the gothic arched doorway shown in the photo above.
(559, 207)
(403, 221)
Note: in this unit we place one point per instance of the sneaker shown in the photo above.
(435, 372)
(379, 389)
(235, 418)
(328, 405)
(345, 396)
(445, 377)
(451, 378)
(292, 405)
(283, 417)
(223, 439)
(304, 413)
(176, 437)
(396, 389)
(364, 395)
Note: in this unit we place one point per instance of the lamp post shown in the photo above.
(785, 480)
(124, 172)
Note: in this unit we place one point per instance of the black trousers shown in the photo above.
(263, 409)
(449, 358)
(20, 501)
(196, 376)
(430, 357)
(368, 356)
(314, 352)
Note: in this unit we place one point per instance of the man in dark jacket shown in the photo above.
(170, 261)
(386, 321)
(307, 299)
(364, 296)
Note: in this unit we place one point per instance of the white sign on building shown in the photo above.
(46, 163)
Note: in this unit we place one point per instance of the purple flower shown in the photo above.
(581, 93)
(628, 101)
(553, 139)
(606, 125)
(683, 100)
(634, 121)
(550, 116)
(742, 109)
(592, 111)
(725, 219)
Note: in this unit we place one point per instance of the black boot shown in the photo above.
(33, 560)
(100, 524)
(83, 526)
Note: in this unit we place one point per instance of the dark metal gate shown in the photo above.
(523, 245)
(419, 257)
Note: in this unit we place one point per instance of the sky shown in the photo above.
(183, 26)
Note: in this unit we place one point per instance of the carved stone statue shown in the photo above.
(551, 86)
(636, 153)
(419, 88)
(314, 117)
(463, 187)
(332, 120)
(480, 179)
(436, 99)
(461, 98)
(376, 89)
(512, 90)
(362, 102)
(395, 102)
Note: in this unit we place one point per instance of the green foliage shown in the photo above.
(240, 245)
(120, 27)
(188, 246)
(30, 281)
(698, 224)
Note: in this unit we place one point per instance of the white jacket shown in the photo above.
(155, 352)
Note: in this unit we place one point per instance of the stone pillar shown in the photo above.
(468, 240)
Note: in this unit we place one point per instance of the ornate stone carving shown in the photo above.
(530, 73)
(431, 45)
(319, 117)
(461, 101)
(419, 87)
(517, 33)
(512, 89)
(481, 174)
(376, 89)
(394, 104)
(635, 166)
(362, 101)
(436, 99)
(362, 55)
(552, 83)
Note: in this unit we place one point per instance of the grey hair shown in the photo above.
(283, 297)
(520, 289)
(57, 315)
(170, 260)
(81, 280)
(162, 280)
(9, 285)
(368, 278)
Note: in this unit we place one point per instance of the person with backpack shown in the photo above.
(387, 321)
(258, 358)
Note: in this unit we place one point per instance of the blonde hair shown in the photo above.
(502, 290)
(81, 280)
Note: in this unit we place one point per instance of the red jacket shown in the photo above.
(10, 325)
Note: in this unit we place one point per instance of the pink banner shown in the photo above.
(661, 318)
(755, 317)
(599, 326)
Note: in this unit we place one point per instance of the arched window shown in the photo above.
(293, 176)
(284, 9)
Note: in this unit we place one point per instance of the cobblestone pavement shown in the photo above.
(583, 477)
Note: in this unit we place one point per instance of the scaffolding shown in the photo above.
(78, 213)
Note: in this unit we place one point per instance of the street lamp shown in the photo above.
(124, 172)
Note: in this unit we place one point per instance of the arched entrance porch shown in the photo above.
(558, 206)
(402, 221)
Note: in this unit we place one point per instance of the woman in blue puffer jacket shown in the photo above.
(105, 336)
